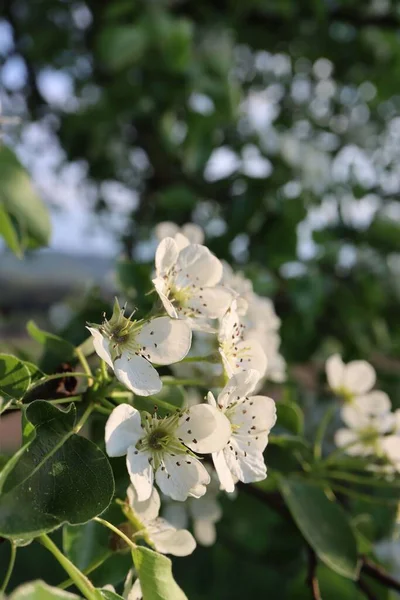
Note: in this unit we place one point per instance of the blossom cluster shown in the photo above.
(371, 427)
(201, 301)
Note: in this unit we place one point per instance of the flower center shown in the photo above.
(158, 439)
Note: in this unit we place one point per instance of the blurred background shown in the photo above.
(274, 125)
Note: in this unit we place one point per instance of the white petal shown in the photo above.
(166, 255)
(135, 592)
(204, 429)
(140, 472)
(147, 510)
(205, 532)
(370, 409)
(160, 288)
(123, 429)
(249, 355)
(238, 387)
(137, 374)
(176, 514)
(359, 377)
(349, 440)
(182, 476)
(165, 341)
(193, 232)
(335, 371)
(206, 508)
(391, 448)
(211, 399)
(213, 302)
(101, 346)
(181, 241)
(255, 417)
(197, 265)
(166, 229)
(245, 462)
(169, 540)
(223, 472)
(228, 326)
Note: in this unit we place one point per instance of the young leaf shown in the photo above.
(155, 574)
(14, 377)
(39, 590)
(290, 417)
(57, 477)
(9, 233)
(55, 349)
(324, 525)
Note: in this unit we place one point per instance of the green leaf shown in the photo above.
(155, 574)
(290, 417)
(57, 477)
(55, 349)
(39, 590)
(19, 199)
(324, 525)
(121, 46)
(109, 594)
(9, 233)
(14, 377)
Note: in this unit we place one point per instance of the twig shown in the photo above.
(376, 572)
(365, 589)
(271, 499)
(312, 579)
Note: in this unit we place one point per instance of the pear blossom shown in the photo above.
(204, 512)
(162, 449)
(251, 419)
(368, 418)
(183, 236)
(237, 353)
(350, 380)
(130, 347)
(156, 531)
(187, 281)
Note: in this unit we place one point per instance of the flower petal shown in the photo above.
(372, 409)
(123, 429)
(206, 508)
(245, 462)
(204, 532)
(348, 439)
(181, 241)
(199, 266)
(141, 473)
(101, 346)
(165, 341)
(193, 232)
(182, 476)
(238, 387)
(335, 367)
(168, 540)
(204, 429)
(359, 377)
(391, 448)
(160, 288)
(224, 474)
(137, 374)
(166, 229)
(212, 302)
(146, 509)
(166, 256)
(255, 417)
(249, 355)
(135, 592)
(176, 514)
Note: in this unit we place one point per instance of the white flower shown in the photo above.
(354, 379)
(158, 532)
(161, 449)
(251, 419)
(183, 236)
(187, 281)
(204, 512)
(367, 418)
(239, 354)
(129, 347)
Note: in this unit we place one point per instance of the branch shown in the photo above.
(376, 572)
(272, 499)
(312, 579)
(365, 589)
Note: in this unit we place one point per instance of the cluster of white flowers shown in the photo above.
(198, 294)
(371, 426)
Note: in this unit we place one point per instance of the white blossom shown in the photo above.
(187, 281)
(251, 419)
(162, 449)
(183, 236)
(156, 531)
(204, 512)
(130, 347)
(350, 380)
(239, 354)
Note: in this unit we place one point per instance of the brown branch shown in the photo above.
(365, 589)
(272, 499)
(379, 574)
(312, 579)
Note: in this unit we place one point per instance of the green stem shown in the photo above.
(10, 569)
(47, 378)
(84, 418)
(191, 359)
(79, 579)
(85, 365)
(106, 403)
(359, 479)
(66, 399)
(103, 369)
(117, 531)
(68, 582)
(102, 410)
(120, 394)
(172, 381)
(319, 438)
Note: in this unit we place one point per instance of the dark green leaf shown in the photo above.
(57, 477)
(290, 417)
(324, 525)
(55, 349)
(14, 377)
(155, 574)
